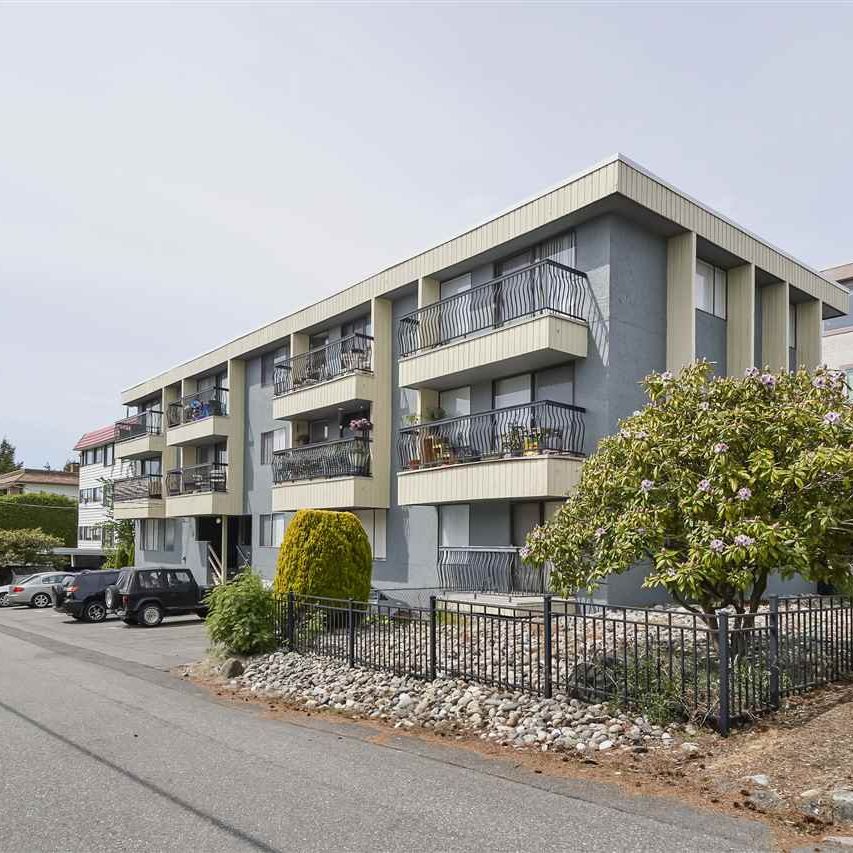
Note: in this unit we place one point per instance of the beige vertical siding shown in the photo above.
(740, 325)
(380, 411)
(809, 331)
(774, 325)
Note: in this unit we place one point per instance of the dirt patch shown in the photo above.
(806, 746)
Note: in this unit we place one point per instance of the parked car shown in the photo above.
(145, 595)
(4, 589)
(36, 590)
(84, 597)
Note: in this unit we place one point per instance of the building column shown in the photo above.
(774, 326)
(681, 301)
(740, 319)
(298, 343)
(809, 334)
(380, 411)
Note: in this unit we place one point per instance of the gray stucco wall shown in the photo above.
(711, 340)
(188, 552)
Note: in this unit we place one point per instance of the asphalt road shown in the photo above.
(105, 749)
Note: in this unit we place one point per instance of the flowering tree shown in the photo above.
(718, 483)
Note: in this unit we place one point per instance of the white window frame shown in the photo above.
(715, 301)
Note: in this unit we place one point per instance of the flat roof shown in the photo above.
(598, 182)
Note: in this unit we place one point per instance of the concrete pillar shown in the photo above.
(429, 291)
(740, 322)
(298, 343)
(681, 301)
(774, 326)
(809, 334)
(236, 434)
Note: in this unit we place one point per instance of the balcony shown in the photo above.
(331, 475)
(140, 436)
(499, 570)
(324, 378)
(138, 497)
(526, 320)
(199, 418)
(532, 451)
(198, 490)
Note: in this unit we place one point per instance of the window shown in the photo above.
(109, 454)
(89, 533)
(792, 326)
(92, 495)
(374, 523)
(711, 289)
(513, 391)
(456, 402)
(151, 534)
(266, 448)
(361, 326)
(848, 375)
(272, 529)
(169, 534)
(99, 455)
(453, 525)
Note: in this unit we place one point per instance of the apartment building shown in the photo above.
(450, 400)
(99, 468)
(838, 331)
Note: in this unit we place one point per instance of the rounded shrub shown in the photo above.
(242, 615)
(324, 554)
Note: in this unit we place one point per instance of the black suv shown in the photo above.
(145, 595)
(83, 598)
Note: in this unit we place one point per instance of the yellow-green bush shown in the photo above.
(324, 554)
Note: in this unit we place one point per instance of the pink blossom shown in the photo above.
(666, 376)
(721, 447)
(743, 540)
(599, 532)
(819, 382)
(831, 418)
(768, 380)
(704, 406)
(647, 486)
(704, 486)
(751, 373)
(744, 493)
(717, 546)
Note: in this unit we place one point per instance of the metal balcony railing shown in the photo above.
(196, 407)
(197, 479)
(347, 457)
(142, 487)
(346, 355)
(532, 429)
(149, 422)
(469, 569)
(545, 287)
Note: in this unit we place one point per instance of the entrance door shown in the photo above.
(209, 531)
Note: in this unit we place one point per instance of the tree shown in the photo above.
(27, 547)
(7, 457)
(716, 484)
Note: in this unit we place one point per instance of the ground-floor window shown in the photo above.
(271, 529)
(374, 522)
(156, 534)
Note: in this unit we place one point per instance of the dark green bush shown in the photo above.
(241, 617)
(56, 515)
(325, 554)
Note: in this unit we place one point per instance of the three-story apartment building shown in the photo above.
(450, 400)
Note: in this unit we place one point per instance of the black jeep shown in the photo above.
(144, 596)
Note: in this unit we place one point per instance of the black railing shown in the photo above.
(194, 479)
(346, 355)
(149, 422)
(196, 407)
(347, 457)
(545, 287)
(142, 487)
(472, 569)
(721, 668)
(532, 429)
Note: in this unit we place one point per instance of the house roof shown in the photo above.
(38, 476)
(97, 437)
(844, 273)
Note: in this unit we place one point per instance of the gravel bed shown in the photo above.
(510, 718)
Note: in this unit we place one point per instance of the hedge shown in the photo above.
(54, 514)
(324, 554)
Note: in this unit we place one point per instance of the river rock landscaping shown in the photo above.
(445, 705)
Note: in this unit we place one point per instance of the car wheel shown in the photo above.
(96, 612)
(2, 599)
(151, 615)
(110, 597)
(40, 599)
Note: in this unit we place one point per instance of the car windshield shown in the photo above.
(25, 578)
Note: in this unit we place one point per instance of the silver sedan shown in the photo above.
(36, 590)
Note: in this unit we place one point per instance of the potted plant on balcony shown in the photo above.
(512, 441)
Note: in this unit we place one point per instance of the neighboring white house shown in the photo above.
(29, 480)
(838, 333)
(98, 468)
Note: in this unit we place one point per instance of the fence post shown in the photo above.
(723, 648)
(432, 637)
(773, 649)
(546, 619)
(350, 634)
(291, 620)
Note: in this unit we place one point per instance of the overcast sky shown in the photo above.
(158, 161)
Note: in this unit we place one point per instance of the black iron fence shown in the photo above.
(345, 355)
(473, 569)
(673, 664)
(195, 407)
(545, 287)
(149, 422)
(193, 479)
(532, 429)
(347, 457)
(142, 487)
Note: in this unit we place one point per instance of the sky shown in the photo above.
(173, 175)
